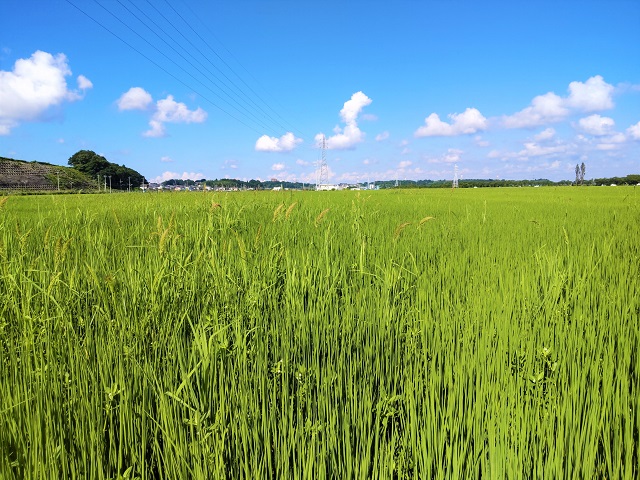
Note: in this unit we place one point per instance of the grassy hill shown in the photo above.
(20, 175)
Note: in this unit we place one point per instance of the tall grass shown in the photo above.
(321, 335)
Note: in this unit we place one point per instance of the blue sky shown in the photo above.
(403, 89)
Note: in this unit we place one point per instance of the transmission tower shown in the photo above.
(455, 177)
(322, 177)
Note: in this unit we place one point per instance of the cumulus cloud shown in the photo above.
(303, 163)
(278, 167)
(34, 86)
(452, 155)
(612, 141)
(350, 135)
(84, 83)
(285, 143)
(135, 98)
(166, 159)
(405, 164)
(544, 109)
(170, 111)
(533, 150)
(166, 110)
(546, 134)
(175, 175)
(593, 95)
(634, 131)
(596, 125)
(467, 122)
(382, 136)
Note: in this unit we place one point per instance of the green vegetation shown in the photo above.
(30, 177)
(96, 166)
(321, 335)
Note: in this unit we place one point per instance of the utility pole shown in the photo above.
(98, 183)
(109, 183)
(129, 184)
(323, 171)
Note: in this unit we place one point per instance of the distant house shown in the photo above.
(327, 187)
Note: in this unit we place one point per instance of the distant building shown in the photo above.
(327, 186)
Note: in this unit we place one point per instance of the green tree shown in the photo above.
(88, 162)
(95, 165)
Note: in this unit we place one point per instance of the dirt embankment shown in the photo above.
(21, 175)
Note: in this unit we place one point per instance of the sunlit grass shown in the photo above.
(404, 334)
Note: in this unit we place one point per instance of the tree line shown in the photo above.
(119, 177)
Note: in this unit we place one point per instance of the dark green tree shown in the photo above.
(88, 162)
(95, 165)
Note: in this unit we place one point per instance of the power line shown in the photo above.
(222, 87)
(247, 98)
(139, 52)
(228, 66)
(173, 61)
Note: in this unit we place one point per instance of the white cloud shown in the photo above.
(382, 136)
(546, 134)
(353, 107)
(278, 167)
(175, 175)
(544, 109)
(285, 143)
(170, 111)
(303, 163)
(596, 125)
(480, 142)
(135, 98)
(35, 85)
(157, 130)
(467, 122)
(84, 83)
(606, 146)
(593, 95)
(405, 164)
(229, 164)
(532, 149)
(634, 131)
(611, 142)
(166, 159)
(166, 110)
(452, 155)
(351, 135)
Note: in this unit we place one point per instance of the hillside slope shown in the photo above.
(19, 175)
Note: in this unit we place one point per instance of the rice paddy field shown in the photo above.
(426, 334)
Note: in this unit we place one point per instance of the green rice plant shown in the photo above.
(245, 335)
